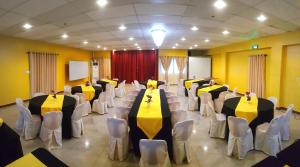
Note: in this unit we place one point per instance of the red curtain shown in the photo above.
(134, 65)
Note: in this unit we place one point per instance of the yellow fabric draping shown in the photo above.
(152, 83)
(113, 82)
(52, 104)
(207, 89)
(88, 91)
(247, 109)
(27, 160)
(149, 117)
(188, 83)
(1, 122)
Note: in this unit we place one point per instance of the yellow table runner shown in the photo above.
(88, 91)
(152, 83)
(27, 160)
(113, 82)
(247, 110)
(207, 89)
(188, 84)
(149, 117)
(1, 122)
(52, 104)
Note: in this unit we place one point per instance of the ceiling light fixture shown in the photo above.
(124, 49)
(158, 35)
(102, 3)
(174, 47)
(206, 40)
(225, 32)
(85, 42)
(194, 28)
(136, 44)
(131, 38)
(122, 27)
(191, 47)
(176, 44)
(261, 18)
(183, 39)
(196, 45)
(27, 26)
(153, 49)
(65, 36)
(220, 4)
(104, 48)
(98, 46)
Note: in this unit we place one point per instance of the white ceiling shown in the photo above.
(84, 20)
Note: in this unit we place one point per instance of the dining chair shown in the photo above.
(219, 102)
(180, 89)
(206, 104)
(240, 139)
(118, 138)
(162, 87)
(217, 125)
(178, 116)
(76, 97)
(100, 104)
(51, 129)
(285, 123)
(274, 100)
(120, 90)
(192, 101)
(181, 141)
(122, 112)
(67, 90)
(109, 95)
(229, 96)
(77, 123)
(267, 138)
(20, 120)
(154, 153)
(174, 106)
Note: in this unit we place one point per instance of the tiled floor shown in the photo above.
(91, 149)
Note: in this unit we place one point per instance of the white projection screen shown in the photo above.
(78, 70)
(200, 67)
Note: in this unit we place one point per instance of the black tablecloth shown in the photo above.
(77, 89)
(290, 155)
(67, 109)
(10, 145)
(103, 83)
(200, 83)
(47, 158)
(136, 133)
(269, 162)
(214, 93)
(265, 113)
(158, 83)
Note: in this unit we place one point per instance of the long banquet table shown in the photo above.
(151, 121)
(188, 83)
(214, 90)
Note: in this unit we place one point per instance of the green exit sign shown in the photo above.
(254, 46)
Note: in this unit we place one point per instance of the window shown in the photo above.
(173, 69)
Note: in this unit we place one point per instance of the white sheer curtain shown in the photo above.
(173, 73)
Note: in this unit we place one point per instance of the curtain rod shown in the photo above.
(42, 52)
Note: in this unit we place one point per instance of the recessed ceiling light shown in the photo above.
(140, 48)
(131, 38)
(191, 47)
(122, 27)
(27, 26)
(220, 4)
(65, 36)
(98, 46)
(153, 49)
(206, 40)
(196, 45)
(124, 49)
(261, 18)
(176, 44)
(104, 48)
(194, 28)
(85, 42)
(102, 3)
(174, 47)
(183, 39)
(136, 44)
(225, 32)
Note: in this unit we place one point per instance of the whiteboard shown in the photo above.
(78, 70)
(200, 67)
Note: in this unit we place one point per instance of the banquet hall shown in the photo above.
(128, 83)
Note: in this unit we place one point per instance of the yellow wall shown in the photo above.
(173, 52)
(274, 46)
(105, 54)
(14, 64)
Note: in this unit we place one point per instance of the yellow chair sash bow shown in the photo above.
(52, 104)
(247, 109)
(88, 91)
(149, 117)
(207, 89)
(27, 160)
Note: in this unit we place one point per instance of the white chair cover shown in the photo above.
(181, 145)
(143, 87)
(136, 85)
(31, 123)
(122, 112)
(109, 95)
(133, 93)
(20, 119)
(118, 138)
(164, 87)
(217, 125)
(51, 129)
(240, 137)
(219, 102)
(87, 108)
(67, 90)
(172, 99)
(76, 97)
(81, 97)
(120, 90)
(178, 116)
(207, 105)
(274, 101)
(192, 101)
(154, 153)
(234, 91)
(39, 94)
(174, 106)
(128, 103)
(284, 123)
(193, 88)
(230, 95)
(180, 89)
(267, 138)
(77, 123)
(100, 104)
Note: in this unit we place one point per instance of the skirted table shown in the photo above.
(103, 83)
(90, 92)
(10, 145)
(150, 121)
(188, 84)
(256, 112)
(39, 157)
(214, 90)
(153, 83)
(290, 155)
(41, 104)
